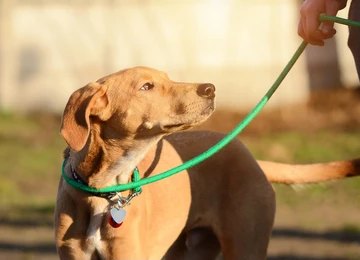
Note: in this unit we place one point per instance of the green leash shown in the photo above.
(136, 184)
(335, 19)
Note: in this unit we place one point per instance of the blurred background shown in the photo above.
(50, 48)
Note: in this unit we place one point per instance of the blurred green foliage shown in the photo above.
(30, 155)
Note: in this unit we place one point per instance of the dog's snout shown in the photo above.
(206, 90)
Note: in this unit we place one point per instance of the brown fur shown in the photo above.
(118, 123)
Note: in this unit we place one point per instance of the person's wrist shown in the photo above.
(342, 3)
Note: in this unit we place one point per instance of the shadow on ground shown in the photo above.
(336, 236)
(293, 257)
(332, 236)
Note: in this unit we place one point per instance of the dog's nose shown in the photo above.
(206, 90)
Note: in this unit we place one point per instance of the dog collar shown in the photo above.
(77, 183)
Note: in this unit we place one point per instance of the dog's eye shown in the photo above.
(147, 86)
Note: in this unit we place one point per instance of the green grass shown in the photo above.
(351, 229)
(300, 147)
(31, 154)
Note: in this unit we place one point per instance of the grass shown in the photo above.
(30, 152)
(31, 155)
(298, 147)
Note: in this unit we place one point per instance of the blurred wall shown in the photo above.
(50, 48)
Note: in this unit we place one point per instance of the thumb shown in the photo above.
(331, 8)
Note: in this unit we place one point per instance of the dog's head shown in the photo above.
(138, 102)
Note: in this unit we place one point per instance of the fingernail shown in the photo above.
(326, 30)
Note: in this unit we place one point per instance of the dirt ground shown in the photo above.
(320, 230)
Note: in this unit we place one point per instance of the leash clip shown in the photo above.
(125, 201)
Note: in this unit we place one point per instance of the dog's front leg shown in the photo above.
(68, 236)
(71, 222)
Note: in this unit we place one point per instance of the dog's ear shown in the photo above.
(90, 100)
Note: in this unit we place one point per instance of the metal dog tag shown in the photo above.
(117, 216)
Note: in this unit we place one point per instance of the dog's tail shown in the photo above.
(309, 173)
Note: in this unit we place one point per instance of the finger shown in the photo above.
(315, 37)
(327, 27)
(329, 34)
(309, 40)
(301, 29)
(310, 25)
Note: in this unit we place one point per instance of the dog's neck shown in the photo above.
(108, 162)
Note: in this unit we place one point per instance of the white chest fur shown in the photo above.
(93, 235)
(123, 168)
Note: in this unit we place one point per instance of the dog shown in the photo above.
(134, 118)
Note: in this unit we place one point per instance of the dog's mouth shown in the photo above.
(189, 123)
(175, 127)
(172, 126)
(208, 110)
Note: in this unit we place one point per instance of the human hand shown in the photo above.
(310, 28)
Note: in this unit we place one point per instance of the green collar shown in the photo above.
(107, 192)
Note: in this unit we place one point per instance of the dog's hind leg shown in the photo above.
(199, 243)
(245, 231)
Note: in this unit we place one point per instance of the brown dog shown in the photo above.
(118, 123)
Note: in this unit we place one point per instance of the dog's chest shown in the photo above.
(94, 242)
